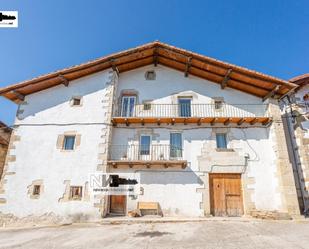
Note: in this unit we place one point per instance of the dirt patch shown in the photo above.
(10, 220)
(151, 234)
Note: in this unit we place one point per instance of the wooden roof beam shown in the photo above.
(271, 93)
(114, 67)
(226, 78)
(155, 57)
(188, 65)
(20, 96)
(65, 81)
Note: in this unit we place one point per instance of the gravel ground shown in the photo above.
(205, 234)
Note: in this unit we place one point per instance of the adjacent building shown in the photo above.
(205, 137)
(5, 133)
(295, 108)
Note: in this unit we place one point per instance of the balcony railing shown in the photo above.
(145, 153)
(193, 110)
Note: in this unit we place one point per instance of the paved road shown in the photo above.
(207, 234)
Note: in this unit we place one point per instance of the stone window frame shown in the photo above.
(36, 189)
(225, 131)
(80, 98)
(72, 196)
(150, 72)
(61, 140)
(31, 189)
(218, 99)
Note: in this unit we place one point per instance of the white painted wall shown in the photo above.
(38, 158)
(253, 141)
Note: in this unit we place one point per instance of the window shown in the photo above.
(218, 104)
(147, 106)
(145, 145)
(175, 145)
(76, 101)
(221, 140)
(127, 106)
(69, 142)
(184, 105)
(150, 75)
(36, 190)
(75, 193)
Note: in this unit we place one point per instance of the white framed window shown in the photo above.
(145, 143)
(69, 142)
(127, 106)
(175, 144)
(221, 140)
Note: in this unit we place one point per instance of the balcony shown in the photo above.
(133, 155)
(236, 114)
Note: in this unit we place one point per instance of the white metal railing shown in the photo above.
(159, 152)
(193, 110)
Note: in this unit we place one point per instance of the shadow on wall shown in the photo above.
(58, 95)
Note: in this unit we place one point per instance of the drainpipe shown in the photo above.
(294, 147)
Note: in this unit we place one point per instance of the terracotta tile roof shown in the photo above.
(156, 52)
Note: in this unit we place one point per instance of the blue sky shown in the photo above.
(270, 36)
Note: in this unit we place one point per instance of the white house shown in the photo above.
(203, 137)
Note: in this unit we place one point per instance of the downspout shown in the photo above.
(295, 158)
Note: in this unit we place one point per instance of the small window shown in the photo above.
(218, 104)
(221, 140)
(36, 190)
(76, 101)
(75, 193)
(145, 145)
(69, 142)
(147, 106)
(150, 75)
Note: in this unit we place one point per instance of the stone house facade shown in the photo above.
(5, 133)
(295, 108)
(204, 138)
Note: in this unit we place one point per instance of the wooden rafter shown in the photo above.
(226, 78)
(155, 57)
(20, 96)
(271, 93)
(188, 65)
(241, 121)
(213, 121)
(227, 121)
(64, 80)
(255, 120)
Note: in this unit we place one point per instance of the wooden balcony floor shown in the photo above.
(264, 121)
(146, 163)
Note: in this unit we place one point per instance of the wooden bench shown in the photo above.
(148, 206)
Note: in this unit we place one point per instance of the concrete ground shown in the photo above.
(202, 234)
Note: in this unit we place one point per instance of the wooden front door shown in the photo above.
(225, 194)
(117, 204)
